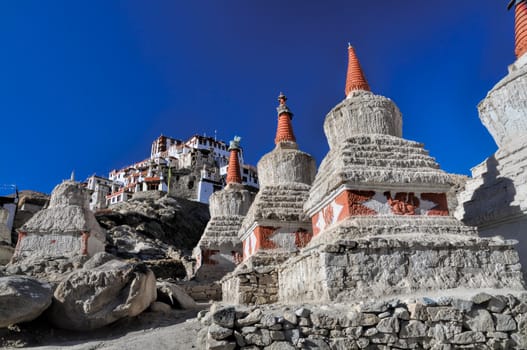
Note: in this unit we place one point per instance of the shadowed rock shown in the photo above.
(22, 299)
(89, 299)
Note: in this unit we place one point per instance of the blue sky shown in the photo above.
(87, 85)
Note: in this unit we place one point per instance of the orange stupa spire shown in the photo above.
(355, 79)
(520, 27)
(233, 171)
(284, 131)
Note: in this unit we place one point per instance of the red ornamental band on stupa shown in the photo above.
(284, 131)
(355, 79)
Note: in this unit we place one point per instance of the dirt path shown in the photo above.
(177, 330)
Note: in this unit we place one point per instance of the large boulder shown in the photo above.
(22, 299)
(93, 298)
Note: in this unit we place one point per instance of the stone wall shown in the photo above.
(383, 266)
(253, 286)
(202, 292)
(483, 321)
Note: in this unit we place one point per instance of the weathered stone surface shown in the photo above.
(280, 345)
(98, 259)
(370, 332)
(314, 343)
(368, 320)
(252, 318)
(468, 337)
(224, 317)
(89, 299)
(444, 331)
(277, 335)
(177, 296)
(303, 312)
(480, 298)
(151, 225)
(292, 335)
(413, 329)
(218, 332)
(461, 304)
(520, 340)
(497, 304)
(480, 320)
(161, 307)
(268, 320)
(261, 337)
(502, 110)
(286, 165)
(443, 313)
(213, 344)
(504, 323)
(418, 311)
(335, 326)
(401, 313)
(327, 319)
(291, 317)
(57, 230)
(464, 262)
(343, 344)
(22, 299)
(494, 198)
(388, 325)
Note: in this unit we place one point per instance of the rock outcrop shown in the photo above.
(95, 297)
(22, 299)
(151, 224)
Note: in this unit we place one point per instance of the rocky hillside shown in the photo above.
(155, 228)
(151, 224)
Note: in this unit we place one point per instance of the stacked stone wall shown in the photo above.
(251, 287)
(201, 292)
(383, 266)
(483, 321)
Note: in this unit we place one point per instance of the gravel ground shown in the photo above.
(175, 330)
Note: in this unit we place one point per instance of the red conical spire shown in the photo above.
(520, 28)
(355, 79)
(233, 171)
(284, 131)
